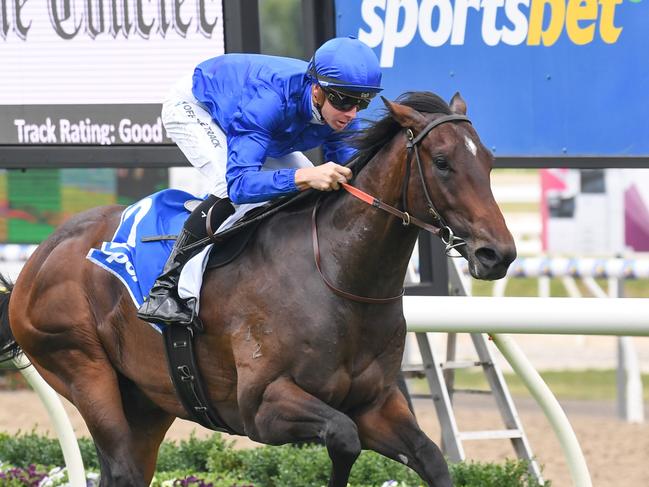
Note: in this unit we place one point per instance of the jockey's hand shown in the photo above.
(326, 177)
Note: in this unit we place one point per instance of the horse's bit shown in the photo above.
(440, 228)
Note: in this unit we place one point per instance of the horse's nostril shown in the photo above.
(487, 256)
(509, 256)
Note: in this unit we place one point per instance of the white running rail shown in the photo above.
(60, 420)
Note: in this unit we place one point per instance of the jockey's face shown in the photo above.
(333, 117)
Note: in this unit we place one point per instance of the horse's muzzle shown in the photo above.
(489, 262)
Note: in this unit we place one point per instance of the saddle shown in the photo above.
(226, 249)
(230, 244)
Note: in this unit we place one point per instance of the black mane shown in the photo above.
(377, 133)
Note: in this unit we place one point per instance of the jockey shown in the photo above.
(243, 121)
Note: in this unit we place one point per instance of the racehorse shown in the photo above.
(285, 356)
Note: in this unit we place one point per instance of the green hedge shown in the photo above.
(214, 461)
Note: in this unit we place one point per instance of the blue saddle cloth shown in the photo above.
(137, 264)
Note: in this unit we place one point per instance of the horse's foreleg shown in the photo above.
(288, 414)
(391, 430)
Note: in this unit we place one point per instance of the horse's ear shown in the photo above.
(458, 105)
(406, 116)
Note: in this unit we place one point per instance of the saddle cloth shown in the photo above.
(137, 264)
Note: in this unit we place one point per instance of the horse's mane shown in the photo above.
(378, 132)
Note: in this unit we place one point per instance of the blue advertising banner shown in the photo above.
(540, 77)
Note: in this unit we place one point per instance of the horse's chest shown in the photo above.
(351, 379)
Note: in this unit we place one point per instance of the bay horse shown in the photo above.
(284, 358)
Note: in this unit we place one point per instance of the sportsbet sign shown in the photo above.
(542, 77)
(511, 22)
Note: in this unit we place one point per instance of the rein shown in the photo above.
(441, 229)
(336, 290)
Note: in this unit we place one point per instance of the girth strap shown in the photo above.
(187, 378)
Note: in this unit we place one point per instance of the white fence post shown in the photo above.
(550, 405)
(630, 400)
(630, 403)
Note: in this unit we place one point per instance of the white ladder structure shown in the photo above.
(440, 377)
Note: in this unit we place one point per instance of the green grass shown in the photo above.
(635, 288)
(593, 385)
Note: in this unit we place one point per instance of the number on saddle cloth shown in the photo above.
(135, 260)
(146, 234)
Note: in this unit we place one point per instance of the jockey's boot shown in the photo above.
(163, 305)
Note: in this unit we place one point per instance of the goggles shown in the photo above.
(344, 102)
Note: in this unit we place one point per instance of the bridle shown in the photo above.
(444, 232)
(439, 226)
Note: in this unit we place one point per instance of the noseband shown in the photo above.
(450, 240)
(439, 227)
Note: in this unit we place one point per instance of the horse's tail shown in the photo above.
(9, 349)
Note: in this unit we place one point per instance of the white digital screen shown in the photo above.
(96, 71)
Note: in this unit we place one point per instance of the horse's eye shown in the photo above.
(441, 163)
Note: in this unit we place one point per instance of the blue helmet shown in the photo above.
(346, 64)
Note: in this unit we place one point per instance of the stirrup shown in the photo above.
(195, 323)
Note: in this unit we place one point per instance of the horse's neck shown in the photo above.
(371, 247)
(383, 174)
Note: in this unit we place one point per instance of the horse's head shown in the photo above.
(449, 185)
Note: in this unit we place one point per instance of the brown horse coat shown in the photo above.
(283, 358)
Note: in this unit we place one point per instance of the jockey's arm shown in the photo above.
(247, 149)
(337, 150)
(247, 152)
(247, 183)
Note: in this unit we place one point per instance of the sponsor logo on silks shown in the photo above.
(393, 24)
(116, 254)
